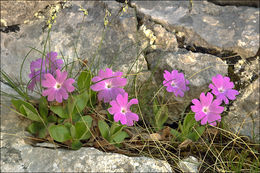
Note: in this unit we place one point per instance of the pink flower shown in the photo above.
(175, 82)
(121, 110)
(108, 84)
(222, 88)
(206, 110)
(57, 88)
(39, 68)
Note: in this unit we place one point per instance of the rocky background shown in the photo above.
(201, 40)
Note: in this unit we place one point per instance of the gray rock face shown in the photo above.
(243, 117)
(251, 3)
(17, 155)
(198, 68)
(189, 164)
(18, 12)
(208, 26)
(118, 48)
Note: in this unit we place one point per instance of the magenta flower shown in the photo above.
(222, 88)
(121, 110)
(108, 84)
(57, 88)
(39, 68)
(175, 82)
(207, 110)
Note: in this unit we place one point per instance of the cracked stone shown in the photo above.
(209, 26)
(19, 12)
(118, 49)
(243, 117)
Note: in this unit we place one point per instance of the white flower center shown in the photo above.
(57, 85)
(108, 85)
(173, 84)
(123, 110)
(205, 109)
(221, 90)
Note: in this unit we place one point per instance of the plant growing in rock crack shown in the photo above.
(95, 107)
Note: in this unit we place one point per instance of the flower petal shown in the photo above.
(131, 102)
(199, 116)
(231, 94)
(98, 86)
(104, 95)
(61, 76)
(68, 85)
(118, 82)
(50, 92)
(212, 117)
(58, 97)
(114, 92)
(206, 100)
(120, 117)
(63, 92)
(167, 75)
(115, 107)
(122, 99)
(49, 81)
(131, 117)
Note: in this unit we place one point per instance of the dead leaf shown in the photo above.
(104, 144)
(212, 131)
(185, 143)
(155, 137)
(166, 133)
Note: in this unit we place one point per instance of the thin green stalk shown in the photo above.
(21, 80)
(44, 48)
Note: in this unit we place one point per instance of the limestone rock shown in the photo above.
(118, 48)
(243, 117)
(250, 3)
(207, 26)
(18, 12)
(189, 164)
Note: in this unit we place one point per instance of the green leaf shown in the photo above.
(82, 131)
(59, 133)
(30, 114)
(18, 103)
(155, 106)
(34, 127)
(72, 130)
(175, 133)
(194, 136)
(71, 105)
(61, 111)
(42, 132)
(43, 107)
(120, 137)
(81, 102)
(84, 80)
(88, 119)
(93, 98)
(116, 127)
(161, 117)
(52, 119)
(189, 120)
(82, 128)
(104, 129)
(75, 145)
(188, 123)
(37, 128)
